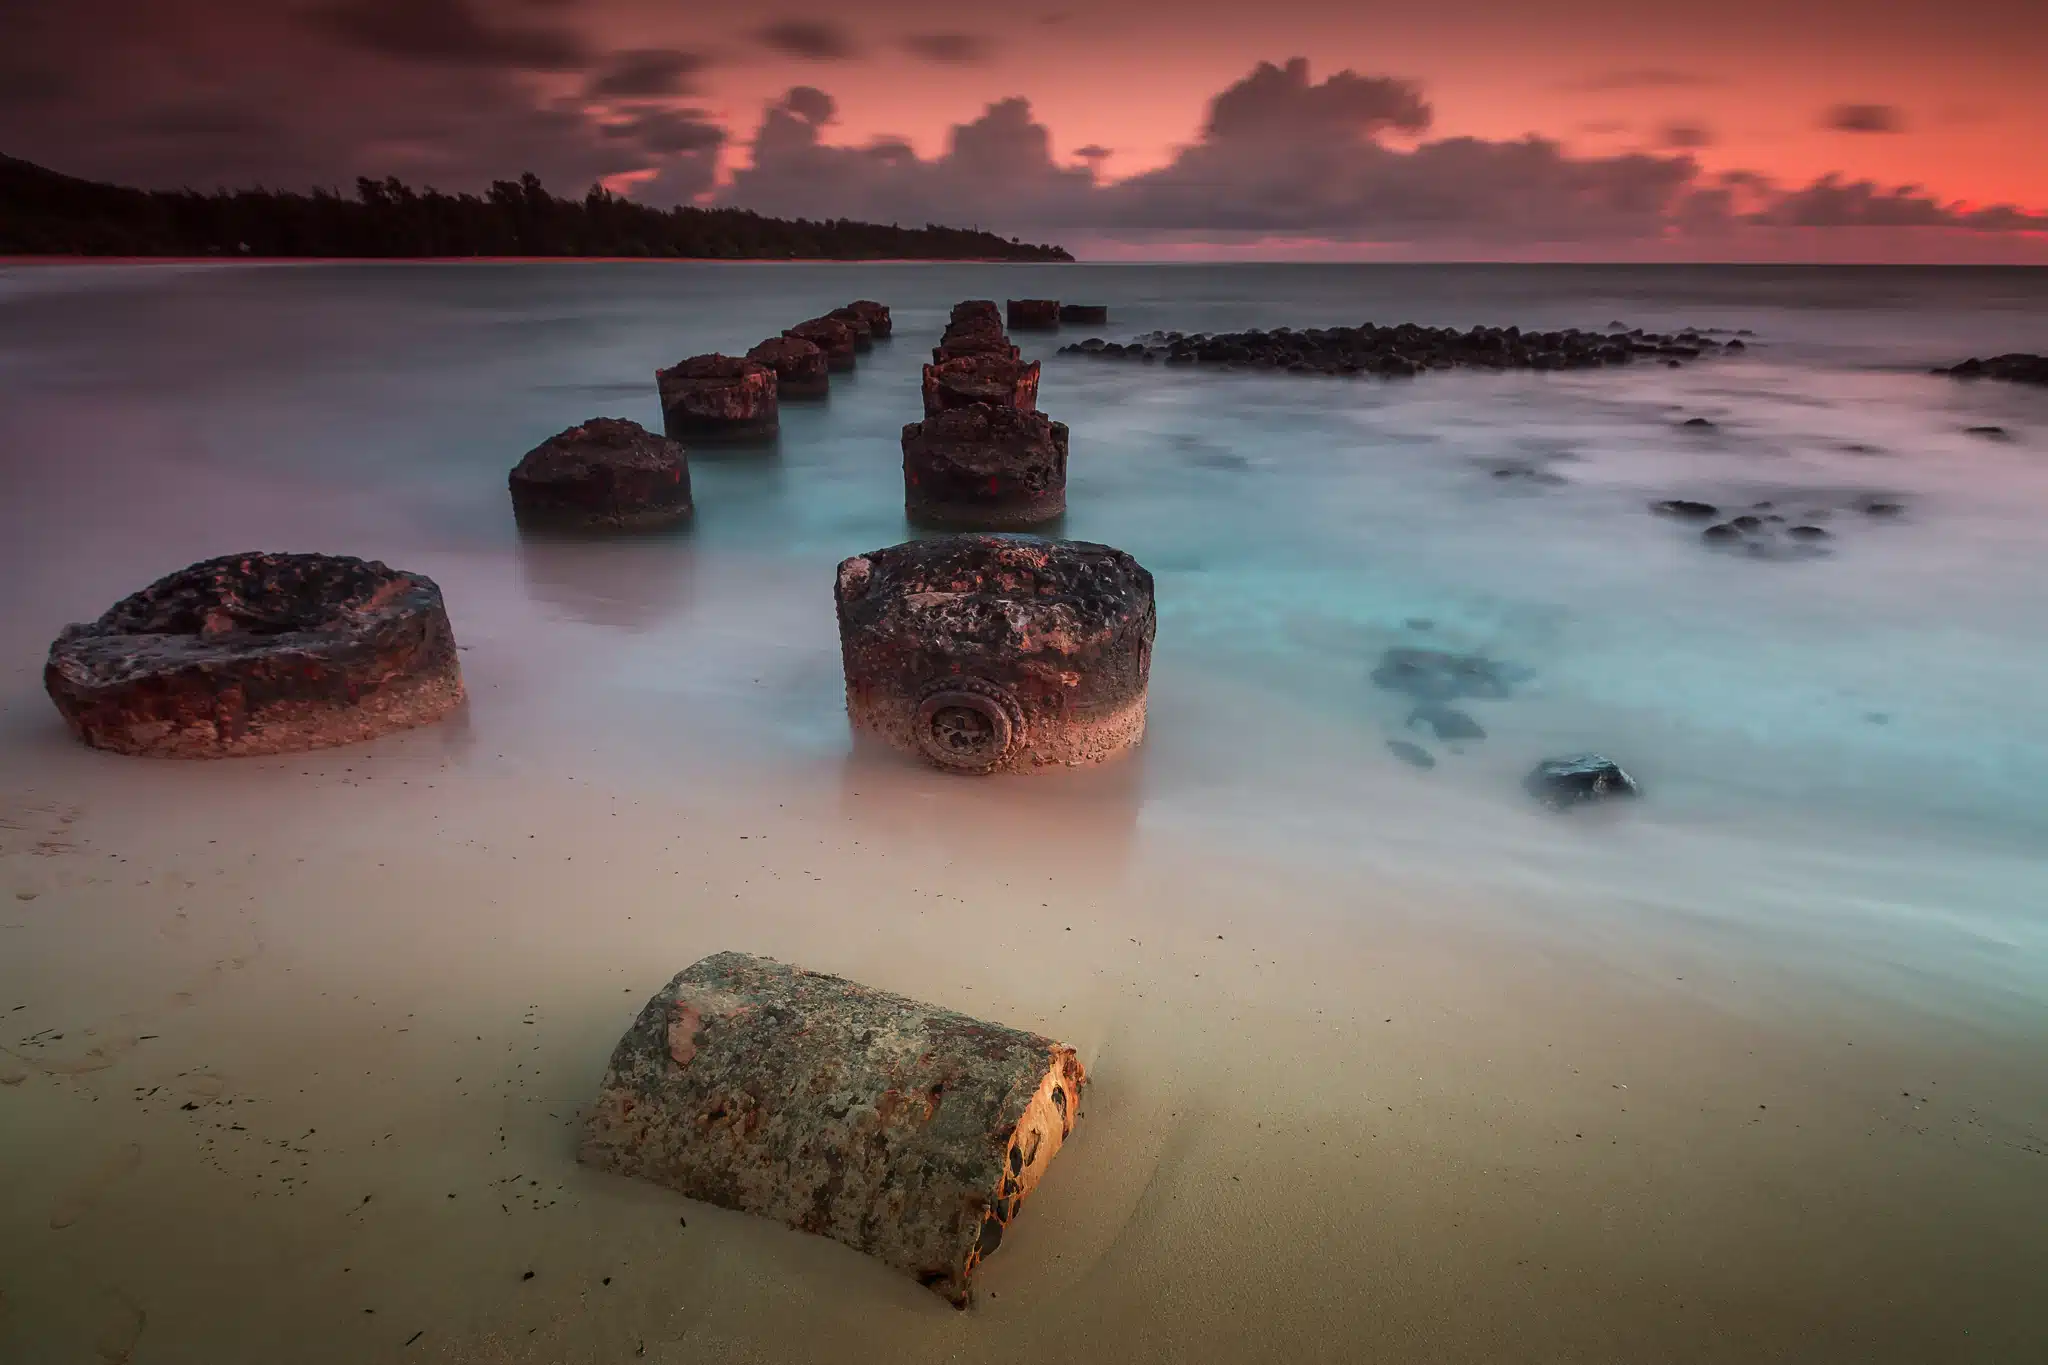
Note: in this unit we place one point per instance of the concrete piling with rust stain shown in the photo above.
(991, 653)
(904, 1130)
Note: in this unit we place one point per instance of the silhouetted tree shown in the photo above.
(45, 213)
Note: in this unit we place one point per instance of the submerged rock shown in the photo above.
(1989, 433)
(985, 467)
(719, 398)
(1435, 675)
(258, 654)
(1562, 783)
(799, 365)
(1414, 755)
(608, 474)
(904, 1130)
(986, 653)
(1449, 724)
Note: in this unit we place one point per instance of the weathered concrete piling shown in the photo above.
(904, 1130)
(1084, 314)
(986, 653)
(985, 466)
(258, 654)
(607, 474)
(799, 365)
(1034, 315)
(831, 336)
(876, 315)
(719, 398)
(999, 380)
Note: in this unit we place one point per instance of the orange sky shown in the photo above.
(1135, 76)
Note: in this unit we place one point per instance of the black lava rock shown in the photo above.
(1685, 510)
(2015, 368)
(1562, 783)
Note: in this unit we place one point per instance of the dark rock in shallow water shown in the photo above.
(1034, 315)
(719, 398)
(1399, 351)
(1721, 534)
(1434, 675)
(1562, 783)
(969, 379)
(799, 365)
(258, 654)
(1881, 508)
(1989, 433)
(1685, 510)
(832, 336)
(997, 653)
(1414, 755)
(1449, 724)
(985, 467)
(606, 475)
(1084, 314)
(1746, 522)
(1807, 533)
(1698, 423)
(2015, 368)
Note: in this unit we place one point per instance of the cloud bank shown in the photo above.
(1344, 159)
(456, 93)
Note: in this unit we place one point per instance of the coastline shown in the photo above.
(517, 260)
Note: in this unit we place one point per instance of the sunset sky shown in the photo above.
(1578, 129)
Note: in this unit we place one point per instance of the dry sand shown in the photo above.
(295, 1050)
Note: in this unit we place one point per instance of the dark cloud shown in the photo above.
(1685, 136)
(646, 72)
(670, 130)
(1280, 101)
(214, 93)
(1093, 153)
(1864, 118)
(961, 49)
(1643, 78)
(811, 39)
(449, 32)
(1833, 202)
(810, 104)
(1284, 157)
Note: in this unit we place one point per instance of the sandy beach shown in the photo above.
(297, 1049)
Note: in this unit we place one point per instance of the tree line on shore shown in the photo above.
(43, 212)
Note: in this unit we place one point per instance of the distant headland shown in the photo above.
(45, 213)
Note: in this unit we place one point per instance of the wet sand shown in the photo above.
(295, 1051)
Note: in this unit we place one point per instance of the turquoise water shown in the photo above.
(1846, 756)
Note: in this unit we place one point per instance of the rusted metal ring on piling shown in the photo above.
(968, 724)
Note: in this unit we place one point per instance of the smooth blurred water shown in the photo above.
(1845, 755)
